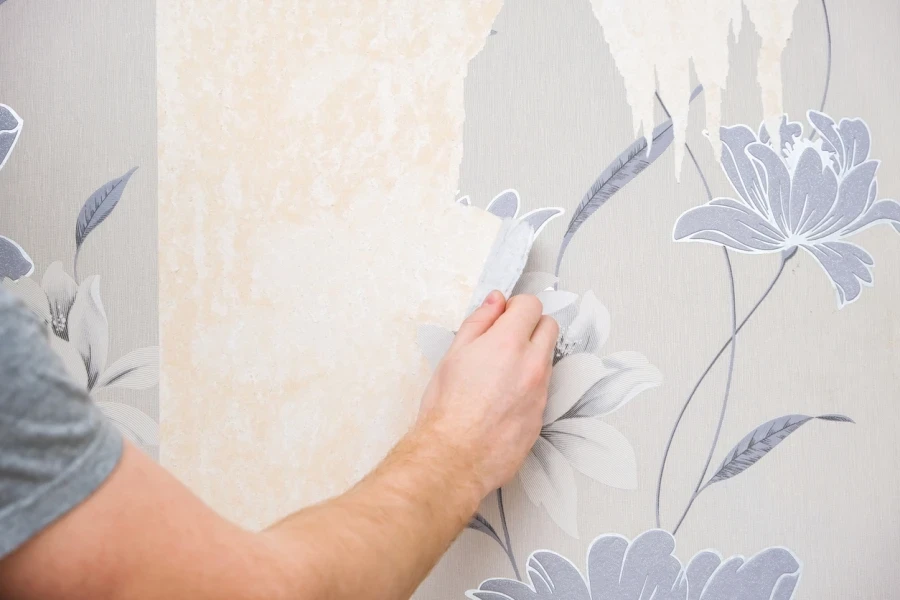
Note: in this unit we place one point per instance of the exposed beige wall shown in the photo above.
(309, 156)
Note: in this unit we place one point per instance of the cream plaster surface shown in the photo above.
(309, 156)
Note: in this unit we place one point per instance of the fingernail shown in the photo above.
(492, 298)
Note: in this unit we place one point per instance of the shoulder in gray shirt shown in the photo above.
(56, 447)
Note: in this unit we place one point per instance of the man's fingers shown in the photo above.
(482, 319)
(545, 335)
(521, 317)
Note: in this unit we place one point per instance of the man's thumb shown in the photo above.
(481, 320)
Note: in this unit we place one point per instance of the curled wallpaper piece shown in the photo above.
(646, 567)
(798, 192)
(506, 261)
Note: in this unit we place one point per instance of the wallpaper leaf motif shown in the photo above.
(479, 523)
(647, 568)
(99, 206)
(761, 441)
(628, 165)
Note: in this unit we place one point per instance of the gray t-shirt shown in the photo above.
(56, 447)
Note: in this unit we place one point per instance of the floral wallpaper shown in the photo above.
(720, 422)
(67, 279)
(800, 189)
(71, 309)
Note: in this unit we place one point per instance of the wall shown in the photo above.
(309, 156)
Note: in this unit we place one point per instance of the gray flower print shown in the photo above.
(647, 568)
(808, 194)
(79, 334)
(14, 261)
(506, 205)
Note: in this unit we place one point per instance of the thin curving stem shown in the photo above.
(509, 550)
(712, 448)
(784, 259)
(828, 67)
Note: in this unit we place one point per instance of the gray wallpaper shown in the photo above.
(713, 439)
(78, 182)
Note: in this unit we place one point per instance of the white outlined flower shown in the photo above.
(808, 194)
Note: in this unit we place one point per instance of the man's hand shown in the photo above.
(487, 396)
(143, 535)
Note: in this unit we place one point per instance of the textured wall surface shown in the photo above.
(309, 156)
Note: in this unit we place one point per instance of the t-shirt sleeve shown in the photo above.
(56, 447)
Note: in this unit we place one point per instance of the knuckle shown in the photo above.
(528, 303)
(551, 324)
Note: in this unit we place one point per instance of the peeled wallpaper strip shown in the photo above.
(307, 185)
(655, 43)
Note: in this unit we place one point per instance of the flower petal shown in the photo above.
(539, 217)
(134, 424)
(848, 266)
(60, 290)
(89, 329)
(14, 261)
(729, 223)
(856, 140)
(551, 576)
(740, 170)
(71, 360)
(825, 127)
(772, 574)
(505, 204)
(10, 126)
(29, 292)
(571, 379)
(137, 370)
(883, 211)
(813, 193)
(776, 182)
(589, 330)
(533, 282)
(434, 341)
(596, 449)
(631, 374)
(789, 131)
(852, 198)
(644, 569)
(549, 481)
(554, 301)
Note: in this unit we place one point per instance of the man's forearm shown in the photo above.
(381, 538)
